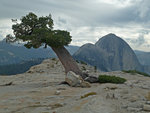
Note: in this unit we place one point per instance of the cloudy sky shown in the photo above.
(87, 20)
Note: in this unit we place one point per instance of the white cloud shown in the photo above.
(118, 3)
(87, 20)
(5, 28)
(138, 38)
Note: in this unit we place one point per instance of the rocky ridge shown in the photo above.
(39, 91)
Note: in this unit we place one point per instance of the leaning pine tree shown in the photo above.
(38, 31)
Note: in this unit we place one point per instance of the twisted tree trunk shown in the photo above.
(70, 64)
(67, 61)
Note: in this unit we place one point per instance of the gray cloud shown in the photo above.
(139, 41)
(62, 20)
(81, 12)
(83, 18)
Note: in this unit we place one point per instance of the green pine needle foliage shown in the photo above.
(37, 31)
(111, 79)
(133, 72)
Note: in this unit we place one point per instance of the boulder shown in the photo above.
(75, 80)
(91, 79)
(134, 98)
(84, 75)
(146, 108)
(85, 84)
(148, 102)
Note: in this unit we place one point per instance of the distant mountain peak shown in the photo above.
(111, 34)
(109, 40)
(88, 45)
(109, 53)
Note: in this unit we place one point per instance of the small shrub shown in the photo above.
(54, 59)
(95, 68)
(111, 79)
(57, 61)
(88, 94)
(133, 72)
(82, 62)
(77, 61)
(83, 68)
